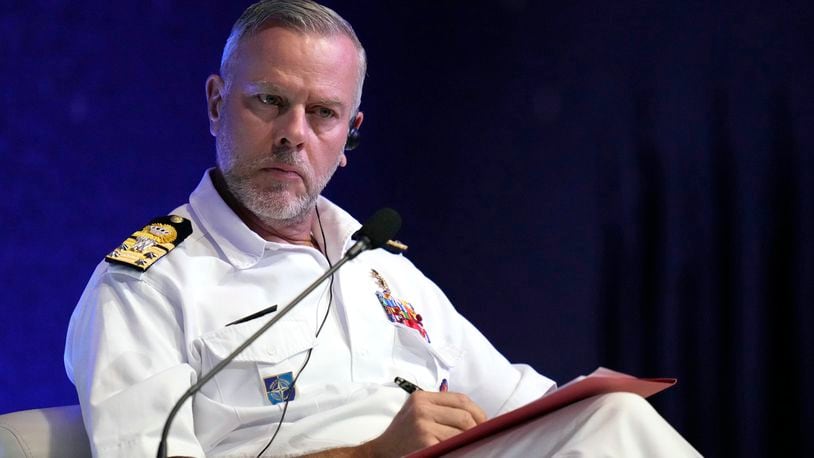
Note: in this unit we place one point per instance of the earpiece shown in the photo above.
(353, 139)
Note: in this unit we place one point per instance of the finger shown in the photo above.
(455, 410)
(453, 417)
(443, 432)
(455, 400)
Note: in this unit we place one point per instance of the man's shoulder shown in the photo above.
(148, 245)
(398, 267)
(168, 237)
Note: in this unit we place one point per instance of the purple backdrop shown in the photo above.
(622, 184)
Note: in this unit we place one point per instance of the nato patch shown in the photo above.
(280, 388)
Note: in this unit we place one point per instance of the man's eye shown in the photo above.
(268, 99)
(323, 112)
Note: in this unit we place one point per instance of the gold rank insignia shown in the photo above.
(142, 249)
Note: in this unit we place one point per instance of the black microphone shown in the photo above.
(377, 230)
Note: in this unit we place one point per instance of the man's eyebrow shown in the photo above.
(330, 102)
(263, 86)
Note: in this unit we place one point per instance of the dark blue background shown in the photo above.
(625, 184)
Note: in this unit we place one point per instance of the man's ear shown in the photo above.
(214, 100)
(357, 120)
(355, 124)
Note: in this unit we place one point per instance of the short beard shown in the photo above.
(275, 203)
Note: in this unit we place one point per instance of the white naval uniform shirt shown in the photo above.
(138, 340)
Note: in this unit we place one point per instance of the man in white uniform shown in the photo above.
(156, 315)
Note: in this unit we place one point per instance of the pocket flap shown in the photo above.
(446, 354)
(283, 340)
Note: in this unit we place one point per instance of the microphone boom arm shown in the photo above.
(357, 248)
(374, 233)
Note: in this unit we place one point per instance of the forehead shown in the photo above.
(283, 56)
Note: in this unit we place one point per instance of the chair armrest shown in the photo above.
(53, 431)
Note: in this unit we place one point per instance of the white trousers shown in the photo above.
(609, 425)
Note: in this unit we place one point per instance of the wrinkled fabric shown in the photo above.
(138, 340)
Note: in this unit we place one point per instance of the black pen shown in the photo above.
(265, 311)
(407, 386)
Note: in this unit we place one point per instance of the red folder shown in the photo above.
(600, 381)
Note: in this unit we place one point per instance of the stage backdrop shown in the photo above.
(621, 183)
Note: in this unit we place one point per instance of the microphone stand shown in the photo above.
(357, 248)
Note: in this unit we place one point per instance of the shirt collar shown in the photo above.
(338, 224)
(242, 246)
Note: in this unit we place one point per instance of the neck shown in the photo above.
(295, 231)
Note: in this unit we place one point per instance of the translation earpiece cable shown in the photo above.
(319, 330)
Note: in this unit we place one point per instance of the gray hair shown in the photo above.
(305, 16)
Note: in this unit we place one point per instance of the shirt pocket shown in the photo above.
(426, 364)
(281, 349)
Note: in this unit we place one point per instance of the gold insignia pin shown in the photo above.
(380, 281)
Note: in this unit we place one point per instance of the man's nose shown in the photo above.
(290, 128)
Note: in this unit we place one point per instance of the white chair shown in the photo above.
(51, 432)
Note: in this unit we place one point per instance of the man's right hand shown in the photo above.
(426, 419)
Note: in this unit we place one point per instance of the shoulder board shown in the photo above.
(146, 246)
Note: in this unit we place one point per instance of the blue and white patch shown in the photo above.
(279, 388)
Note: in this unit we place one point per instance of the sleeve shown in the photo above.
(124, 353)
(479, 369)
(493, 382)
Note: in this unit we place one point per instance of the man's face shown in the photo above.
(281, 118)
